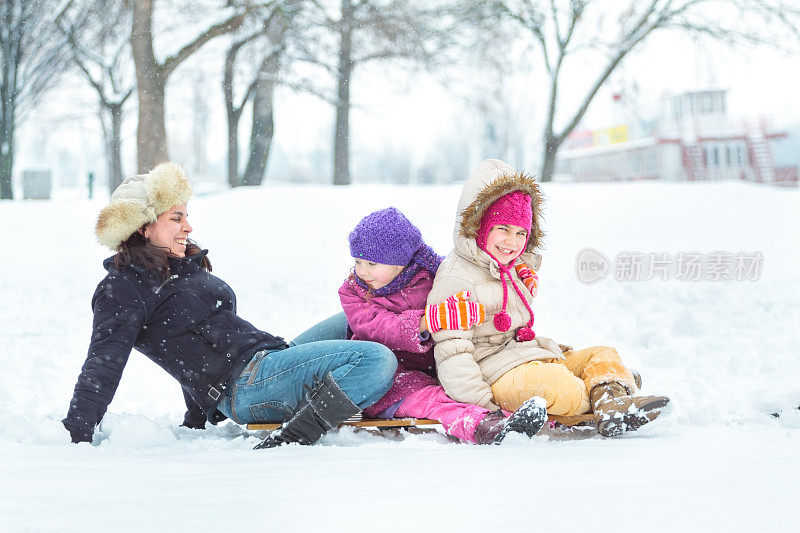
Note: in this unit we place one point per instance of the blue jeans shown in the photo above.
(332, 328)
(271, 385)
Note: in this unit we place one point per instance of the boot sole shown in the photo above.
(619, 423)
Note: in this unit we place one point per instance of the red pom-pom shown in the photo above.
(525, 334)
(502, 321)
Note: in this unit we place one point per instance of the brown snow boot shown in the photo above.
(616, 411)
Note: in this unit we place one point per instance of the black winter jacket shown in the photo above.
(187, 325)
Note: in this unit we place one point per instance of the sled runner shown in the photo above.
(357, 421)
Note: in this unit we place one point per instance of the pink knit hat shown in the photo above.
(513, 208)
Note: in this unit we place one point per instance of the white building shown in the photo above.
(693, 138)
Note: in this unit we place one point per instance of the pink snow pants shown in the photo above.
(458, 419)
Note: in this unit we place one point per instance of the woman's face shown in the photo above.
(506, 242)
(376, 275)
(170, 230)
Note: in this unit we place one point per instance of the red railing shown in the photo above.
(786, 176)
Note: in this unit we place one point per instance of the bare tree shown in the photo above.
(200, 116)
(365, 31)
(564, 29)
(152, 75)
(234, 111)
(269, 48)
(263, 124)
(97, 32)
(32, 58)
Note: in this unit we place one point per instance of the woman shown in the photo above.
(160, 297)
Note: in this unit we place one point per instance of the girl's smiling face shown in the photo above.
(376, 275)
(170, 230)
(506, 242)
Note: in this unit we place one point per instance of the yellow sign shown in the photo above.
(617, 134)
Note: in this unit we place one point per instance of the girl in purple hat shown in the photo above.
(384, 301)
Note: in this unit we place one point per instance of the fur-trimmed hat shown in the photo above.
(139, 200)
(513, 208)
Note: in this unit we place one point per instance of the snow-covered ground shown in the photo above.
(726, 352)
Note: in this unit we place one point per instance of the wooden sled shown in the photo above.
(383, 423)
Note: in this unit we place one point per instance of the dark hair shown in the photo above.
(137, 249)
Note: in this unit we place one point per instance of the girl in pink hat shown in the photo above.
(384, 301)
(502, 362)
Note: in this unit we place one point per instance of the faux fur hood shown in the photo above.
(139, 200)
(491, 180)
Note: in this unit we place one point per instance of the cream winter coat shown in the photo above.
(468, 362)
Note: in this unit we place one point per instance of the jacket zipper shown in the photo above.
(174, 276)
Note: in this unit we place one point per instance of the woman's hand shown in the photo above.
(457, 312)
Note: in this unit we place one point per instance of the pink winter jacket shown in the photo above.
(393, 321)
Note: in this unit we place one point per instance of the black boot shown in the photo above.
(323, 407)
(489, 428)
(528, 419)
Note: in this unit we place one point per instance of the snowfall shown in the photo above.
(727, 352)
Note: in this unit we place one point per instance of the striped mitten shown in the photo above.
(457, 312)
(529, 277)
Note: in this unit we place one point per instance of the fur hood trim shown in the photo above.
(491, 180)
(139, 200)
(473, 213)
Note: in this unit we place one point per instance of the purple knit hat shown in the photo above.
(388, 237)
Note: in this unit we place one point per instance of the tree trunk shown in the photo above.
(232, 114)
(6, 159)
(261, 135)
(551, 146)
(548, 166)
(151, 135)
(8, 91)
(233, 149)
(341, 148)
(115, 147)
(263, 124)
(199, 125)
(111, 121)
(151, 78)
(105, 119)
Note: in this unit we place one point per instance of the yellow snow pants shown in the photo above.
(564, 384)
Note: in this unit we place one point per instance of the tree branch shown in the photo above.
(600, 81)
(556, 23)
(227, 26)
(534, 25)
